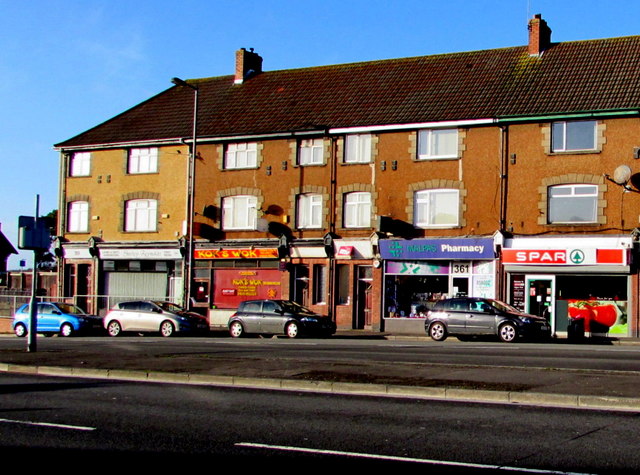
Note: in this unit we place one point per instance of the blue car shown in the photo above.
(56, 318)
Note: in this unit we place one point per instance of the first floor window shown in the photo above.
(357, 210)
(143, 160)
(311, 152)
(239, 212)
(436, 208)
(141, 215)
(357, 148)
(78, 217)
(241, 155)
(437, 143)
(80, 164)
(573, 136)
(572, 204)
(309, 211)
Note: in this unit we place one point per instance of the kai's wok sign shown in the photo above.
(240, 253)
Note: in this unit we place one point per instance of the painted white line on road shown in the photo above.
(48, 424)
(405, 459)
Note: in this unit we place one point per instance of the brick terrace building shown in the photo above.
(369, 190)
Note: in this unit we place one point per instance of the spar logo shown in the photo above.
(576, 256)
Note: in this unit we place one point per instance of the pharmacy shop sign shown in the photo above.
(452, 249)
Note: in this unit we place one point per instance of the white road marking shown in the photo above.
(404, 459)
(48, 424)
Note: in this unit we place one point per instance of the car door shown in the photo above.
(456, 310)
(48, 319)
(149, 317)
(272, 320)
(481, 318)
(251, 316)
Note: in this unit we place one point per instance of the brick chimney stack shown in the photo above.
(248, 64)
(539, 35)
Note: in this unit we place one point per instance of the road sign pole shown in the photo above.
(32, 342)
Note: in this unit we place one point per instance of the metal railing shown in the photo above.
(9, 303)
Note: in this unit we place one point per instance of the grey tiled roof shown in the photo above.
(573, 77)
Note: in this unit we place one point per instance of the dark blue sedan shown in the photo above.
(56, 318)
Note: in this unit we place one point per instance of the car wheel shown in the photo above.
(20, 330)
(291, 330)
(114, 328)
(66, 329)
(437, 331)
(167, 329)
(236, 330)
(507, 332)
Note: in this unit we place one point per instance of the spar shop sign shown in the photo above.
(568, 257)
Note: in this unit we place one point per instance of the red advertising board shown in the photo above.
(232, 286)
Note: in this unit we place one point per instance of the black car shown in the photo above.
(469, 316)
(278, 317)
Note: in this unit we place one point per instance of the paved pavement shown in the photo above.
(607, 390)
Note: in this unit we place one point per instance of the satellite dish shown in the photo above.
(622, 175)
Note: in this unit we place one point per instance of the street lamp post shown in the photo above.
(188, 271)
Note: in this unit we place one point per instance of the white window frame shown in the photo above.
(142, 160)
(241, 155)
(357, 148)
(309, 211)
(311, 152)
(430, 140)
(240, 212)
(561, 136)
(78, 217)
(141, 215)
(80, 164)
(576, 191)
(427, 208)
(357, 209)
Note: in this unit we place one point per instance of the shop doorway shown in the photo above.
(362, 317)
(541, 297)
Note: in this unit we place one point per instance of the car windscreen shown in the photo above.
(503, 307)
(70, 309)
(294, 307)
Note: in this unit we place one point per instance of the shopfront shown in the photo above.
(419, 272)
(580, 284)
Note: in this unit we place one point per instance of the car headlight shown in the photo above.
(525, 319)
(309, 319)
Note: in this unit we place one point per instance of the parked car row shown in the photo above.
(462, 317)
(153, 316)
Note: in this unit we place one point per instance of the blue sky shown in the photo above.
(68, 65)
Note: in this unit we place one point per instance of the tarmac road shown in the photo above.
(588, 389)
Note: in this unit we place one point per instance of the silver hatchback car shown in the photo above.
(142, 316)
(469, 316)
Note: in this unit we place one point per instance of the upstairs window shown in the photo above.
(573, 136)
(143, 160)
(78, 217)
(141, 215)
(437, 144)
(436, 208)
(309, 211)
(357, 148)
(80, 164)
(572, 204)
(241, 155)
(239, 212)
(311, 152)
(357, 210)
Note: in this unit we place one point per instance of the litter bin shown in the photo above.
(575, 330)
